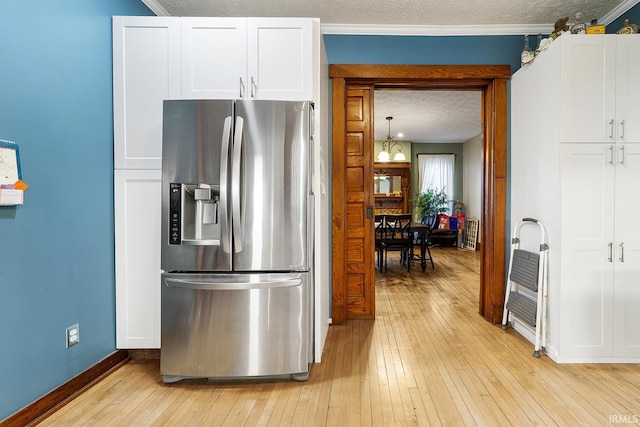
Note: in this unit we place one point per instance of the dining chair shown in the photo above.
(379, 221)
(397, 238)
(422, 240)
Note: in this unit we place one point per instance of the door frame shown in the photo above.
(492, 81)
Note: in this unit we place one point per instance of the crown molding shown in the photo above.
(155, 7)
(617, 11)
(436, 30)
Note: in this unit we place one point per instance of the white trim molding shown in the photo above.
(617, 11)
(155, 7)
(437, 30)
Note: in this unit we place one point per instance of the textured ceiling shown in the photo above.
(428, 115)
(425, 116)
(403, 12)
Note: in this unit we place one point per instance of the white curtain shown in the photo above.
(436, 171)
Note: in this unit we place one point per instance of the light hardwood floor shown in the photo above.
(427, 359)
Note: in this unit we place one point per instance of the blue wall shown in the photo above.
(450, 50)
(634, 16)
(57, 250)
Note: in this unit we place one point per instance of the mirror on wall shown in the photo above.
(392, 185)
(387, 184)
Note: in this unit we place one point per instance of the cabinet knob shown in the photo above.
(622, 129)
(241, 88)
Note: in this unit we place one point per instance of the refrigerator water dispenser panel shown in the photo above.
(175, 214)
(193, 212)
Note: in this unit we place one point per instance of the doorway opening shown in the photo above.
(440, 133)
(353, 278)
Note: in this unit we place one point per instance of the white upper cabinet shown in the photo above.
(247, 58)
(214, 58)
(600, 89)
(628, 89)
(280, 53)
(158, 58)
(146, 70)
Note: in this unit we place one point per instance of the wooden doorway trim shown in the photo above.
(492, 81)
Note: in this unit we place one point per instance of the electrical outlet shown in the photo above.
(73, 335)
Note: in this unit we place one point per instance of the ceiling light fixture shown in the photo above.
(388, 144)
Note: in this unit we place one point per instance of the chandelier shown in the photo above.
(388, 144)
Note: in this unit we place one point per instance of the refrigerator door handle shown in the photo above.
(235, 185)
(232, 286)
(224, 177)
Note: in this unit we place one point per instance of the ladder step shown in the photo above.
(524, 269)
(522, 307)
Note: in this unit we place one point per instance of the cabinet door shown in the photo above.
(137, 241)
(280, 52)
(588, 88)
(146, 70)
(587, 227)
(628, 89)
(214, 58)
(627, 267)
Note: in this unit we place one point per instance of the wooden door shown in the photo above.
(359, 242)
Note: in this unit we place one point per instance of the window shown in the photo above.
(436, 171)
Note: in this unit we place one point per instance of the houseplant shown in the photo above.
(431, 203)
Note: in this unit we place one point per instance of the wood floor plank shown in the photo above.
(244, 400)
(428, 359)
(261, 402)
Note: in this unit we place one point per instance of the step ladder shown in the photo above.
(526, 293)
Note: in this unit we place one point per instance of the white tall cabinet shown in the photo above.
(146, 70)
(575, 166)
(158, 58)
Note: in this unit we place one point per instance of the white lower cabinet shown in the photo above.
(626, 297)
(137, 242)
(599, 252)
(587, 181)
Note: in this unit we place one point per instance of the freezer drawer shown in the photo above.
(235, 325)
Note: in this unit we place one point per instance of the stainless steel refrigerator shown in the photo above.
(237, 239)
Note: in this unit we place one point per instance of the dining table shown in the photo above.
(418, 232)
